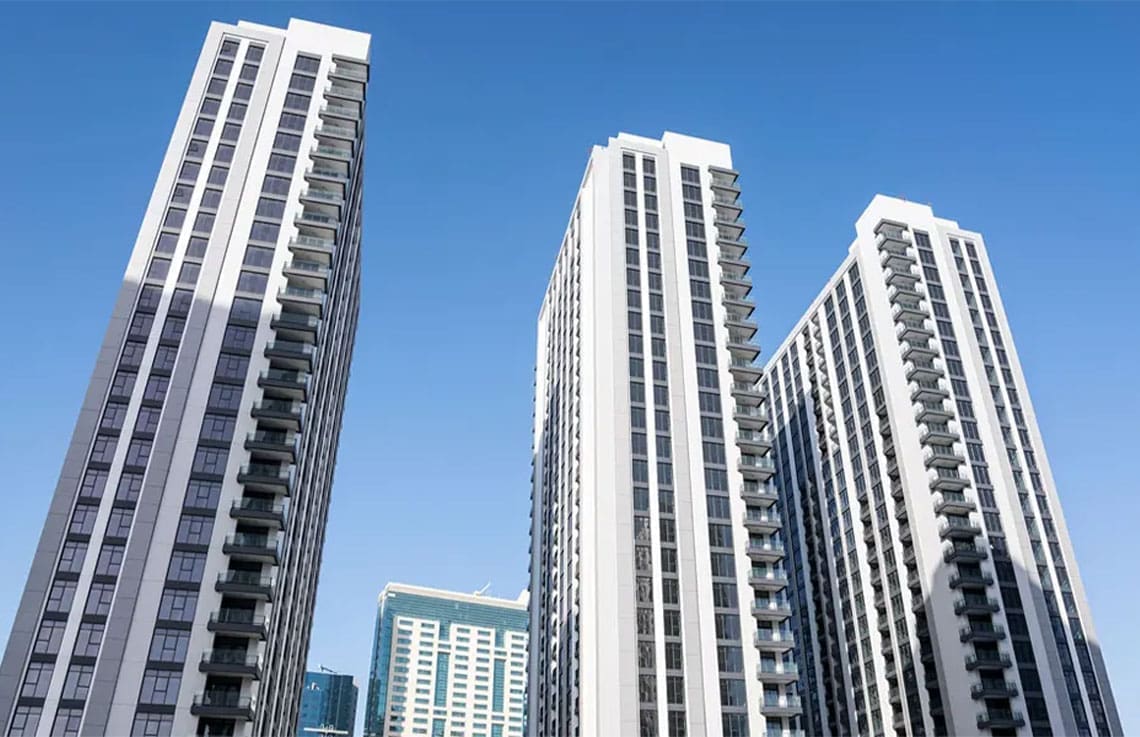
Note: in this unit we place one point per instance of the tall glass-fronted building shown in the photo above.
(328, 705)
(658, 602)
(933, 572)
(172, 590)
(446, 664)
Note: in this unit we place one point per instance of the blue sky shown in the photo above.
(1017, 120)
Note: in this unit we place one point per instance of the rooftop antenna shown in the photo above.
(483, 590)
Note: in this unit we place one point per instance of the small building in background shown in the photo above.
(466, 652)
(328, 705)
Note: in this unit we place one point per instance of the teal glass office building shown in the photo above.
(446, 664)
(328, 706)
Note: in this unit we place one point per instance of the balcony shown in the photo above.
(781, 706)
(353, 92)
(941, 455)
(895, 259)
(335, 110)
(750, 417)
(329, 174)
(917, 350)
(279, 413)
(333, 153)
(733, 265)
(989, 688)
(311, 219)
(290, 384)
(902, 275)
(754, 440)
(892, 238)
(923, 370)
(766, 551)
(241, 622)
(775, 610)
(909, 311)
(771, 640)
(222, 705)
(742, 349)
(763, 520)
(310, 301)
(339, 132)
(971, 604)
(760, 468)
(740, 322)
(932, 411)
(735, 287)
(296, 325)
(744, 370)
(323, 197)
(910, 293)
(268, 477)
(230, 663)
(1000, 719)
(936, 433)
(946, 481)
(728, 226)
(910, 328)
(312, 245)
(247, 546)
(251, 584)
(958, 528)
(277, 445)
(769, 580)
(981, 632)
(349, 72)
(964, 553)
(290, 355)
(261, 511)
(929, 391)
(958, 580)
(988, 660)
(777, 672)
(725, 181)
(312, 274)
(760, 495)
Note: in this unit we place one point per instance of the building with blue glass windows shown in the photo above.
(328, 705)
(447, 664)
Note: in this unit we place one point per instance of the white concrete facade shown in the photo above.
(173, 589)
(447, 664)
(939, 592)
(651, 509)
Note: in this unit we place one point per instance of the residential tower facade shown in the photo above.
(658, 602)
(447, 664)
(935, 581)
(172, 591)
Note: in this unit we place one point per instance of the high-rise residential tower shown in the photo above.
(328, 705)
(936, 590)
(172, 590)
(447, 664)
(657, 583)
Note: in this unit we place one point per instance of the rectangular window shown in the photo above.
(194, 529)
(89, 639)
(49, 637)
(130, 484)
(169, 645)
(60, 597)
(78, 682)
(99, 599)
(160, 687)
(186, 567)
(110, 560)
(177, 606)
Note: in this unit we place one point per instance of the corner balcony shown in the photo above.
(964, 553)
(742, 349)
(944, 480)
(765, 521)
(285, 382)
(247, 584)
(896, 259)
(724, 180)
(348, 70)
(290, 355)
(309, 274)
(726, 227)
(347, 91)
(313, 246)
(259, 511)
(770, 580)
(932, 412)
(988, 660)
(941, 455)
(909, 311)
(754, 441)
(910, 293)
(916, 329)
(745, 370)
(277, 445)
(238, 622)
(750, 417)
(918, 350)
(279, 414)
(330, 174)
(300, 299)
(777, 672)
(781, 706)
(757, 494)
(317, 196)
(1000, 719)
(981, 632)
(338, 109)
(222, 705)
(971, 579)
(901, 275)
(230, 663)
(892, 236)
(740, 323)
(296, 326)
(731, 265)
(772, 640)
(335, 132)
(766, 551)
(248, 546)
(990, 688)
(972, 604)
(331, 153)
(775, 610)
(734, 247)
(736, 288)
(268, 477)
(760, 468)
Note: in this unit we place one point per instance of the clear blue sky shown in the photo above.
(1021, 121)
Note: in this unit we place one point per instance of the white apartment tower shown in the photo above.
(446, 664)
(172, 590)
(657, 584)
(936, 591)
